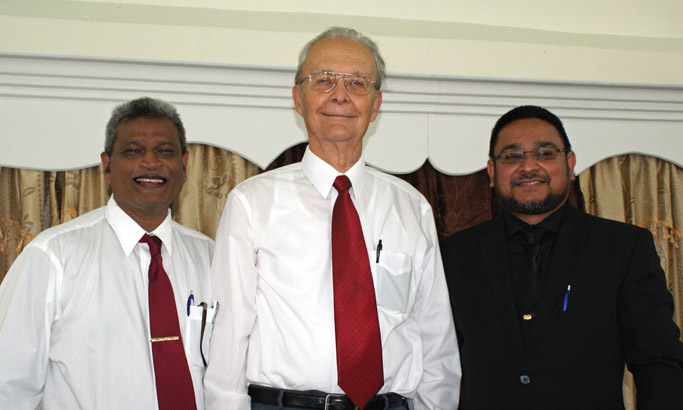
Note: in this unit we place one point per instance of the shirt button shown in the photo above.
(524, 379)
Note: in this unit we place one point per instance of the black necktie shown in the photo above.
(530, 281)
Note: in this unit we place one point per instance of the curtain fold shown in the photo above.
(647, 192)
(641, 190)
(32, 201)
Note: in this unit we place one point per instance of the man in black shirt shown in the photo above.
(549, 302)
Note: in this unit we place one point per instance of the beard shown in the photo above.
(533, 207)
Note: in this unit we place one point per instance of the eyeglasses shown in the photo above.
(544, 153)
(325, 81)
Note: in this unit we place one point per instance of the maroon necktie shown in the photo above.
(172, 374)
(359, 347)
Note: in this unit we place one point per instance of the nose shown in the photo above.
(529, 162)
(150, 159)
(339, 93)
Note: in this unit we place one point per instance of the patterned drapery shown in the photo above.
(641, 190)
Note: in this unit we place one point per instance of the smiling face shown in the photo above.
(531, 189)
(146, 169)
(337, 120)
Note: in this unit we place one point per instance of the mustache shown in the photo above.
(531, 175)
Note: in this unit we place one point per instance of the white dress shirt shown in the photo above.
(272, 273)
(74, 327)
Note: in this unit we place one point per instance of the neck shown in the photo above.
(148, 222)
(532, 219)
(340, 155)
(538, 218)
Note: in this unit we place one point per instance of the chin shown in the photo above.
(532, 206)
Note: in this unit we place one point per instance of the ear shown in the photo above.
(186, 157)
(375, 105)
(491, 169)
(571, 163)
(296, 96)
(106, 164)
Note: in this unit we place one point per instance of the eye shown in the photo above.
(131, 152)
(544, 153)
(324, 79)
(512, 156)
(357, 82)
(165, 151)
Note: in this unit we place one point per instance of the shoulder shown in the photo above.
(287, 172)
(263, 185)
(395, 184)
(83, 225)
(472, 234)
(607, 228)
(196, 238)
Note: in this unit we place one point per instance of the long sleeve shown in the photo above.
(27, 309)
(234, 278)
(652, 347)
(440, 384)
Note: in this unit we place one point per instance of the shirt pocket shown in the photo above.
(199, 327)
(394, 290)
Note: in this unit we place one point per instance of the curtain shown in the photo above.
(647, 192)
(32, 201)
(632, 188)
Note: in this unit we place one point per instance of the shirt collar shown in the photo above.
(551, 223)
(322, 175)
(129, 232)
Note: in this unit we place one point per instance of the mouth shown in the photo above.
(529, 181)
(333, 115)
(150, 180)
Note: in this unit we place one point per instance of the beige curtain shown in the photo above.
(31, 201)
(632, 188)
(647, 192)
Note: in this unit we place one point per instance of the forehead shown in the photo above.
(341, 56)
(147, 128)
(527, 133)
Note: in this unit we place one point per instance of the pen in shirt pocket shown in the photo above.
(378, 250)
(190, 302)
(565, 301)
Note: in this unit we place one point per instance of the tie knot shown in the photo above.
(533, 234)
(154, 244)
(342, 183)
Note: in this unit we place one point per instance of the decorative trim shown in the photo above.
(54, 109)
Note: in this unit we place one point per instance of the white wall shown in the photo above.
(610, 68)
(623, 41)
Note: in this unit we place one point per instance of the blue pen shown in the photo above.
(566, 298)
(190, 302)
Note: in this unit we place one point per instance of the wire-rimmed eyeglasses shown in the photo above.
(513, 156)
(325, 81)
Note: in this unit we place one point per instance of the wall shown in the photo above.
(622, 41)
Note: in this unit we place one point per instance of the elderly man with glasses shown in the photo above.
(329, 271)
(549, 302)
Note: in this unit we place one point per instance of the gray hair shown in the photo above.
(345, 33)
(142, 107)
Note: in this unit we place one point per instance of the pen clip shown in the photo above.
(379, 249)
(566, 298)
(190, 302)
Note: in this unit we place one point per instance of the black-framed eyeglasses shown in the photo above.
(325, 81)
(544, 153)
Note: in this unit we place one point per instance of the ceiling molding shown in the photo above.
(54, 109)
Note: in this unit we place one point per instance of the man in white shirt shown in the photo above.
(274, 344)
(74, 311)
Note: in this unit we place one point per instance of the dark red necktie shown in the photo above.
(172, 374)
(359, 346)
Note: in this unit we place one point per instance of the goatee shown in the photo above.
(537, 207)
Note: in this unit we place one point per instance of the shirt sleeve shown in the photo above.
(654, 353)
(439, 387)
(234, 280)
(28, 305)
